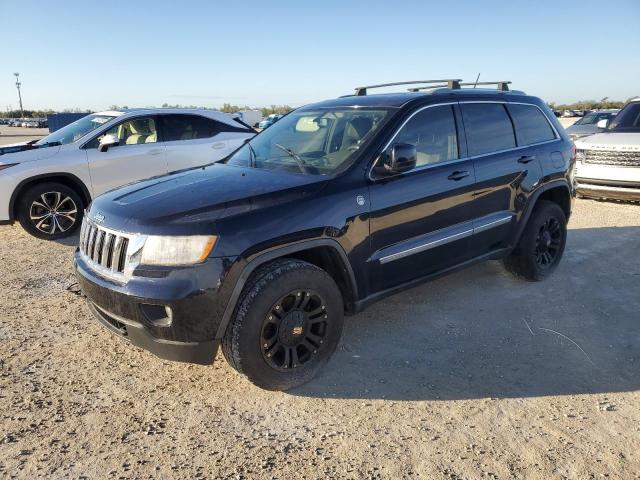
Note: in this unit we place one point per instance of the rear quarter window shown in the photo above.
(488, 128)
(531, 125)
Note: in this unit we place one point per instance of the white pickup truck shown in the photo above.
(608, 163)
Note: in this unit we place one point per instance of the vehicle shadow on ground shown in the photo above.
(71, 241)
(480, 333)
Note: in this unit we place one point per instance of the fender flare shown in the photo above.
(280, 252)
(43, 177)
(533, 199)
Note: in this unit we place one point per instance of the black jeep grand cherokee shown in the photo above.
(335, 206)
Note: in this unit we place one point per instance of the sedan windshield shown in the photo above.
(593, 117)
(76, 130)
(312, 142)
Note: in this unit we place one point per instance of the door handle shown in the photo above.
(218, 145)
(458, 175)
(526, 158)
(155, 151)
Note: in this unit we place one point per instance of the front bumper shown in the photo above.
(608, 181)
(173, 313)
(607, 191)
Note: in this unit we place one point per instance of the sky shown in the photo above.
(79, 54)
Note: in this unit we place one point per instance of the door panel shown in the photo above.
(420, 223)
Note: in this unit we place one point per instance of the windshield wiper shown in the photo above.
(295, 156)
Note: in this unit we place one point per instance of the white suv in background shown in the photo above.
(47, 184)
(608, 163)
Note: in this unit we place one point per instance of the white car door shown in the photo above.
(194, 140)
(138, 156)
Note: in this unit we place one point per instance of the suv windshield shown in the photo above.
(593, 117)
(628, 120)
(74, 131)
(313, 142)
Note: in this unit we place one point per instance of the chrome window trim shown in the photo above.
(461, 159)
(491, 223)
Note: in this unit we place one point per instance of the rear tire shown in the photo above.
(50, 211)
(541, 245)
(286, 325)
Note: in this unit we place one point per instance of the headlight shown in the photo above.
(580, 155)
(173, 251)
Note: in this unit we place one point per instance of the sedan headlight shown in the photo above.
(174, 251)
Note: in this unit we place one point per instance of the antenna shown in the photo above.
(477, 78)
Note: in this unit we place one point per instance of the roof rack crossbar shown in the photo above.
(503, 85)
(453, 83)
(428, 87)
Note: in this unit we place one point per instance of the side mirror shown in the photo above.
(604, 123)
(107, 141)
(401, 158)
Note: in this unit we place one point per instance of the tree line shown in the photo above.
(605, 103)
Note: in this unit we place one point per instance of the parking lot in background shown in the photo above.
(476, 374)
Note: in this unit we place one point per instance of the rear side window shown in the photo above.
(531, 124)
(189, 127)
(488, 128)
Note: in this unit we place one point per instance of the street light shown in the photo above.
(19, 94)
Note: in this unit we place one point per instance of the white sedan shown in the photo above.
(46, 185)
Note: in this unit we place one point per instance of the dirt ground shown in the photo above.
(476, 375)
(10, 135)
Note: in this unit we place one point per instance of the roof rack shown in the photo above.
(453, 83)
(502, 85)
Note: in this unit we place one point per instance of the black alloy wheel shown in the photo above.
(548, 242)
(294, 330)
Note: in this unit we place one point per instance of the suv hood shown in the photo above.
(27, 152)
(610, 141)
(188, 202)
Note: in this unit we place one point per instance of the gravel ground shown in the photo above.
(476, 375)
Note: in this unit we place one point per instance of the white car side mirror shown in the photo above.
(603, 123)
(107, 141)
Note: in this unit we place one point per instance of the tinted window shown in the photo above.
(189, 127)
(628, 119)
(488, 128)
(433, 132)
(531, 124)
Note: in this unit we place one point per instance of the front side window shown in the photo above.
(433, 132)
(76, 130)
(189, 127)
(488, 128)
(531, 124)
(312, 142)
(131, 132)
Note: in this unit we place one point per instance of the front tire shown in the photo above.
(286, 325)
(50, 211)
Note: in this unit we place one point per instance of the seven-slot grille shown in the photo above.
(103, 247)
(603, 157)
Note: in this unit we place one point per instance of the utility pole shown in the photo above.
(19, 94)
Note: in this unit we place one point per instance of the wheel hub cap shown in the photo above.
(292, 327)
